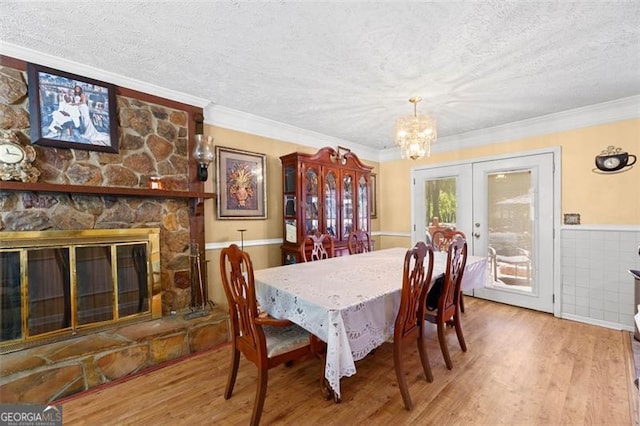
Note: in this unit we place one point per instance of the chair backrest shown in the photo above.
(316, 247)
(441, 239)
(456, 261)
(237, 280)
(415, 283)
(359, 242)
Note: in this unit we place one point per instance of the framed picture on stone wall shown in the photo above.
(241, 184)
(70, 111)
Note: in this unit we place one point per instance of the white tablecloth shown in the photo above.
(350, 302)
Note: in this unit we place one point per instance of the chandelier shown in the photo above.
(415, 133)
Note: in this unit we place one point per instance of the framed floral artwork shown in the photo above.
(70, 111)
(241, 184)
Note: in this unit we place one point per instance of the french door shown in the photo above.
(505, 207)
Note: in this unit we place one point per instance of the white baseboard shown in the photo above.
(600, 323)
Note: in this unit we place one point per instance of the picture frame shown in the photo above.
(373, 203)
(70, 111)
(241, 183)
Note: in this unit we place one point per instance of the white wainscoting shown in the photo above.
(597, 287)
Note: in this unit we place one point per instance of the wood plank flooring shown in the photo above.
(522, 367)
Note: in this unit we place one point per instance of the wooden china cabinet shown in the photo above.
(323, 192)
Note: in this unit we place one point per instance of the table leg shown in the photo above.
(327, 392)
(319, 349)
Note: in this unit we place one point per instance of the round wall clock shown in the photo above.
(16, 159)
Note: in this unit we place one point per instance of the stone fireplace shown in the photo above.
(85, 191)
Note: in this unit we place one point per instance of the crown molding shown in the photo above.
(592, 115)
(30, 55)
(228, 118)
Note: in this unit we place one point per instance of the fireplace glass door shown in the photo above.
(49, 290)
(61, 289)
(10, 306)
(133, 293)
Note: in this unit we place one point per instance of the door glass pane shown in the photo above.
(511, 232)
(347, 205)
(363, 203)
(440, 204)
(289, 179)
(311, 202)
(331, 203)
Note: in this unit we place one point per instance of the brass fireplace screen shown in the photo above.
(59, 284)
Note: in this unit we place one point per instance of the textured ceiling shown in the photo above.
(347, 69)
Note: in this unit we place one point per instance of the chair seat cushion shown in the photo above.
(284, 339)
(434, 293)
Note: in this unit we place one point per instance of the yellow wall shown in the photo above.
(599, 198)
(226, 231)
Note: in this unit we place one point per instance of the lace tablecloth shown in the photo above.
(350, 302)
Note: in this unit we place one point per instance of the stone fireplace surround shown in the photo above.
(81, 189)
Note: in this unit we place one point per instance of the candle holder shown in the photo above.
(204, 155)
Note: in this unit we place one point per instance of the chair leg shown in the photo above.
(458, 325)
(261, 392)
(443, 345)
(402, 380)
(461, 302)
(233, 372)
(424, 358)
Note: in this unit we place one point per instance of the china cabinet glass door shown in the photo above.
(347, 205)
(363, 204)
(312, 220)
(331, 203)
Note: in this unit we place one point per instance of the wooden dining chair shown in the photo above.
(265, 341)
(359, 242)
(448, 309)
(441, 240)
(409, 324)
(316, 247)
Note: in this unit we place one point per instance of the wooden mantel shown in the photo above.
(102, 190)
(195, 198)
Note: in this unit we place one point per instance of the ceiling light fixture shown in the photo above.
(415, 133)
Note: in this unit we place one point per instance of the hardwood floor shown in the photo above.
(522, 367)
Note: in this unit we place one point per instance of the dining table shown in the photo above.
(349, 302)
